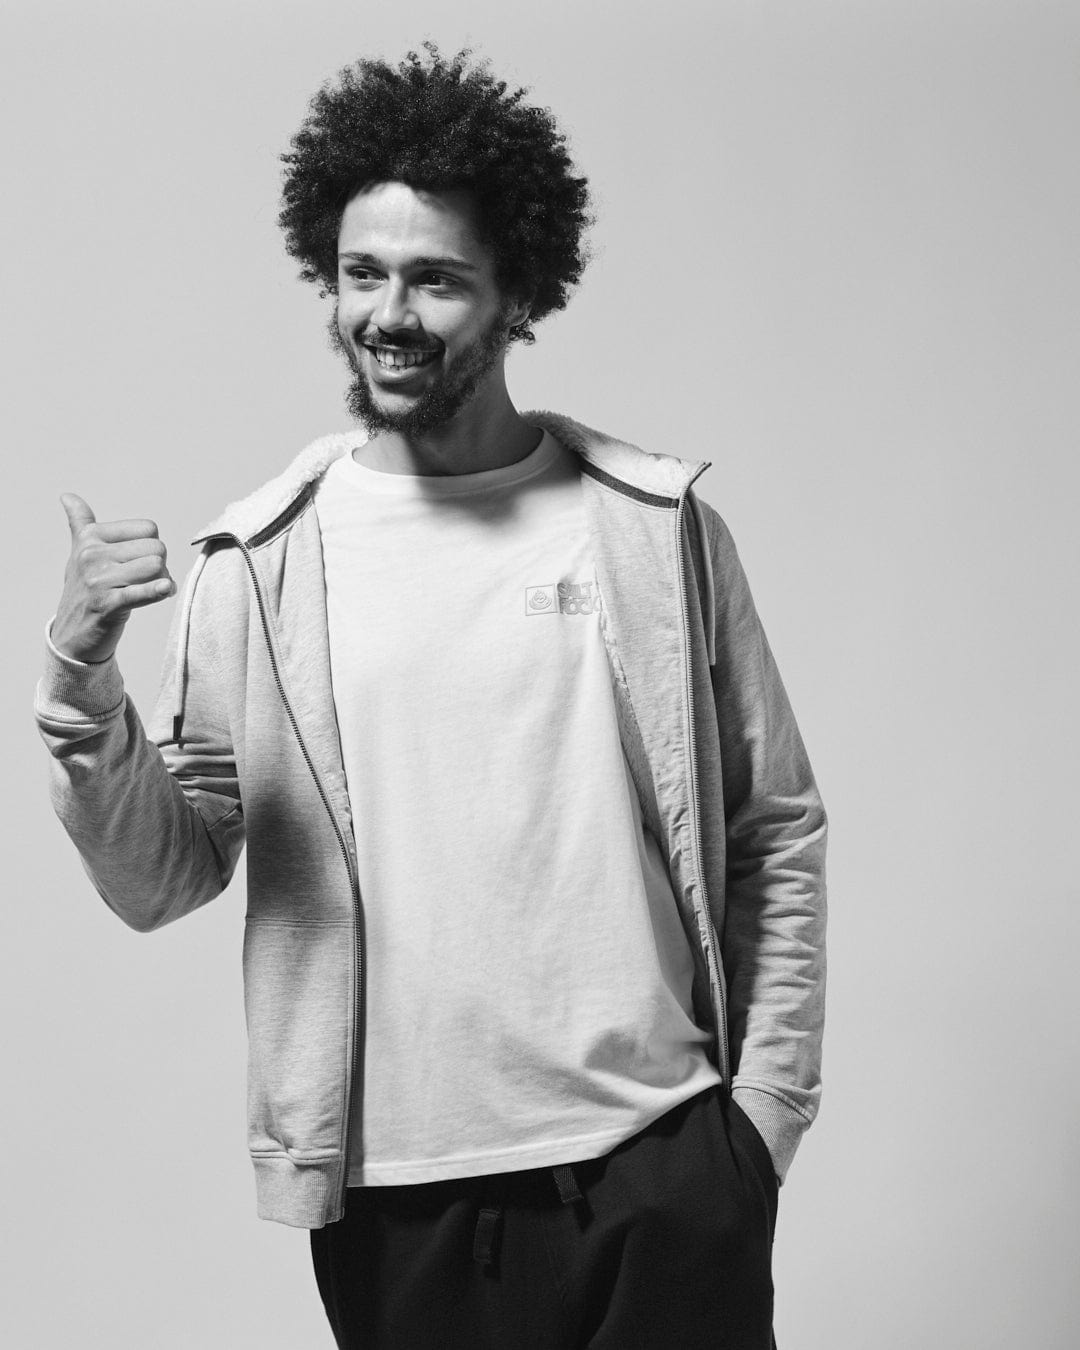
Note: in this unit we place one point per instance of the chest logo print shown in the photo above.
(540, 600)
(565, 597)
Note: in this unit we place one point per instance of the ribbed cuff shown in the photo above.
(77, 691)
(300, 1195)
(779, 1126)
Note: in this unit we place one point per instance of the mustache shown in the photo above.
(401, 342)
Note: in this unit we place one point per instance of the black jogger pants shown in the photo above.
(664, 1243)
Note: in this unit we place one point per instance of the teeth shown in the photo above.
(395, 360)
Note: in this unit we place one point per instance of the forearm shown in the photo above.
(153, 851)
(774, 926)
(774, 959)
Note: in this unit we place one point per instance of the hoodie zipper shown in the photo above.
(695, 799)
(354, 882)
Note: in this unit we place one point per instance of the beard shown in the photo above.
(441, 401)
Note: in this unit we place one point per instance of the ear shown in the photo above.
(517, 311)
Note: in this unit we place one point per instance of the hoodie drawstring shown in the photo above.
(709, 607)
(182, 638)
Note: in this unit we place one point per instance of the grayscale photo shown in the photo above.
(544, 537)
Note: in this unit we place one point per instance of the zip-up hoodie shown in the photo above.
(244, 744)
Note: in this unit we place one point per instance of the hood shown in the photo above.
(655, 475)
(252, 514)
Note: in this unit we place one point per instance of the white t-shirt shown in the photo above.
(527, 979)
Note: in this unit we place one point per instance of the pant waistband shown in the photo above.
(489, 1217)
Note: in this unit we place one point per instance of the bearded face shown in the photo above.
(421, 318)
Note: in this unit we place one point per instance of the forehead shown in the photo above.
(395, 222)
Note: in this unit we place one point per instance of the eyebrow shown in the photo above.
(455, 264)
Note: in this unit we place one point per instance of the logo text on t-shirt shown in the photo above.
(564, 597)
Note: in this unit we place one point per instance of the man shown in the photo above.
(534, 947)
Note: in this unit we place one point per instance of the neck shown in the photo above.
(489, 433)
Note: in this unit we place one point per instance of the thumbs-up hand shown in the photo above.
(114, 567)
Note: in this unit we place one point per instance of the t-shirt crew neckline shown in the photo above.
(450, 485)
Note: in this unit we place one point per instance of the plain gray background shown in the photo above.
(837, 256)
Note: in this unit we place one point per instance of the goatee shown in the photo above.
(441, 401)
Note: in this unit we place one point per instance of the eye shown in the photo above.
(436, 281)
(361, 275)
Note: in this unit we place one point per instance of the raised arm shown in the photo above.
(159, 829)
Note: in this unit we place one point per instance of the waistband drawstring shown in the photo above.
(490, 1214)
(569, 1191)
(487, 1223)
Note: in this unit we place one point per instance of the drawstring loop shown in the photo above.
(489, 1216)
(569, 1191)
(488, 1220)
(487, 1224)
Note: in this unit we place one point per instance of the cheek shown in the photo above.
(352, 311)
(464, 331)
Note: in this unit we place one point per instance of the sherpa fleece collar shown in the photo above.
(662, 474)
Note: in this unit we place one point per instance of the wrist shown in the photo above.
(69, 648)
(74, 691)
(63, 647)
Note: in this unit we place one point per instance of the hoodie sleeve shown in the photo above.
(775, 905)
(159, 827)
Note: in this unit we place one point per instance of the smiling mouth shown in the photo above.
(396, 358)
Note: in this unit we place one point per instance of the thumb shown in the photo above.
(77, 511)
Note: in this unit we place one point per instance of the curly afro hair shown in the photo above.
(438, 124)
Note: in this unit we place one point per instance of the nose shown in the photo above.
(394, 310)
